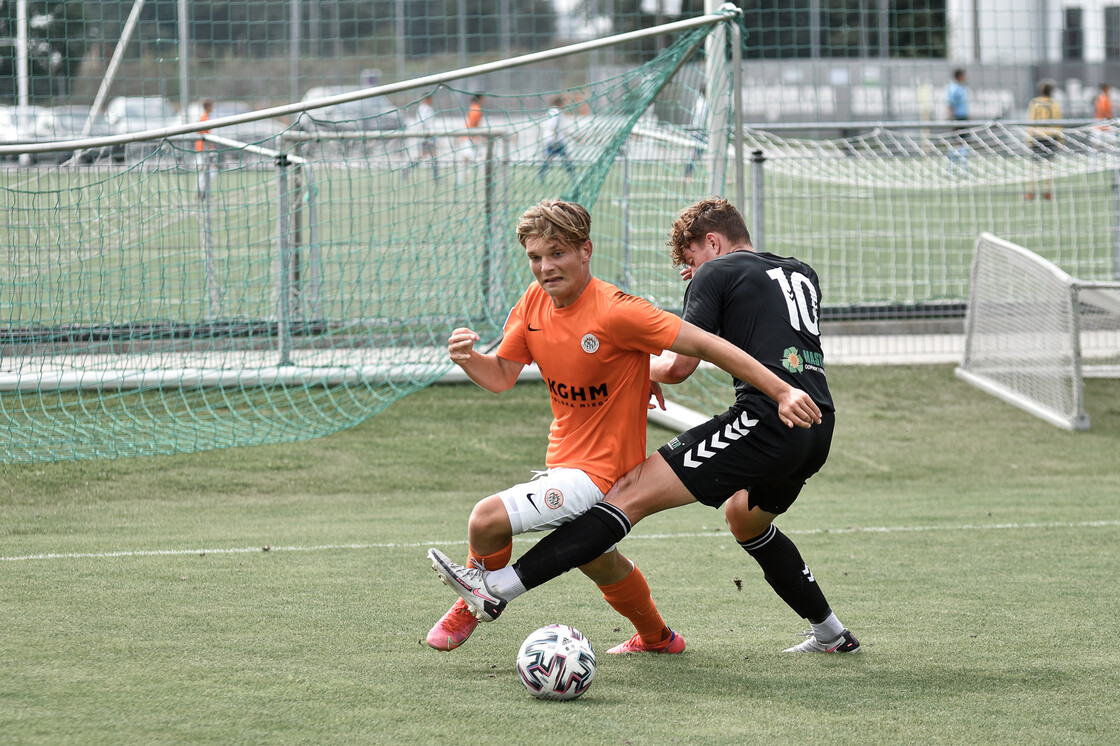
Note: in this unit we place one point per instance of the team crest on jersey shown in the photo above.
(589, 343)
(553, 498)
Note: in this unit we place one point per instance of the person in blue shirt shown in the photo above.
(956, 99)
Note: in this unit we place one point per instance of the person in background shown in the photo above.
(470, 146)
(699, 132)
(956, 101)
(553, 141)
(1044, 140)
(1103, 110)
(203, 151)
(425, 112)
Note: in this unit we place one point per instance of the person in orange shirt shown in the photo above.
(592, 344)
(207, 110)
(201, 149)
(1103, 110)
(474, 111)
(470, 146)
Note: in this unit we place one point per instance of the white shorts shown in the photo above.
(552, 497)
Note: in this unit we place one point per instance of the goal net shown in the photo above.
(1034, 332)
(895, 212)
(291, 272)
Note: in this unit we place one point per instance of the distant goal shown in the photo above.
(1033, 332)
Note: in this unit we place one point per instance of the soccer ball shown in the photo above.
(556, 662)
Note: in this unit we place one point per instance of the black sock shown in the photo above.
(573, 544)
(788, 574)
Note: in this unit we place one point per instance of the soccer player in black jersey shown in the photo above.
(746, 458)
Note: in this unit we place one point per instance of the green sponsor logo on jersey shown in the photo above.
(813, 359)
(791, 360)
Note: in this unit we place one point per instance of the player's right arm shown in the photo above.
(795, 407)
(671, 367)
(489, 371)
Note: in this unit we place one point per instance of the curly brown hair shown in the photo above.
(713, 215)
(553, 218)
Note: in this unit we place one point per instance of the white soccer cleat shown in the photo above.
(468, 582)
(845, 643)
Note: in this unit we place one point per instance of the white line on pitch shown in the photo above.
(635, 537)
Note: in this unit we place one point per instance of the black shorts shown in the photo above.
(749, 448)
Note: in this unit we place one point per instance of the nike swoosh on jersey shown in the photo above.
(532, 329)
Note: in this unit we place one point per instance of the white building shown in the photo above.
(1033, 31)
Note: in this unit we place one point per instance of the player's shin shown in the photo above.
(573, 544)
(631, 597)
(787, 573)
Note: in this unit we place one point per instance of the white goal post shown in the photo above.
(1033, 332)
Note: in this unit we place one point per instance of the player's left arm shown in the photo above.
(795, 407)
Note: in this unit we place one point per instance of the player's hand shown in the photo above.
(796, 408)
(460, 345)
(686, 273)
(655, 393)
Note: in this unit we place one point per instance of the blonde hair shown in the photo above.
(553, 218)
(714, 215)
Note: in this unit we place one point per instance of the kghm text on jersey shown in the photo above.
(578, 395)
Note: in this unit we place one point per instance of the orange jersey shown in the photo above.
(1102, 107)
(200, 145)
(474, 115)
(594, 356)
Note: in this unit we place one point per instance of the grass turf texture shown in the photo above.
(985, 603)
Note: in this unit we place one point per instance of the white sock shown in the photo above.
(505, 584)
(828, 630)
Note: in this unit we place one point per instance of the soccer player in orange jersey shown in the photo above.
(592, 343)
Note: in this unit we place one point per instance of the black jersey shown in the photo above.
(768, 306)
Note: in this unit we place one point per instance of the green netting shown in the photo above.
(202, 294)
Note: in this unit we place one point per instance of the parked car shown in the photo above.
(13, 129)
(8, 130)
(68, 123)
(137, 114)
(363, 115)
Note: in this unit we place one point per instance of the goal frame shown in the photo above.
(1076, 294)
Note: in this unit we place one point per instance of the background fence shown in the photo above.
(808, 60)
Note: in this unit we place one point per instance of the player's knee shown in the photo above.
(745, 523)
(489, 520)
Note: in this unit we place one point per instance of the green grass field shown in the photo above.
(279, 594)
